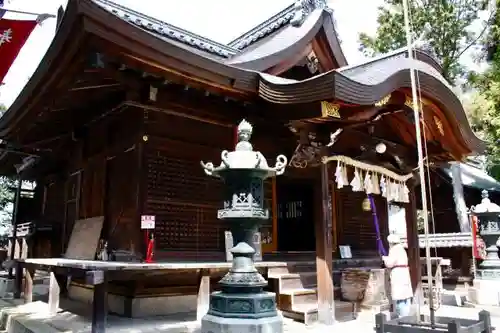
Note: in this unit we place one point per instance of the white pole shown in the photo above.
(27, 13)
(418, 134)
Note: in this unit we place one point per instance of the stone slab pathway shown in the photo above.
(77, 319)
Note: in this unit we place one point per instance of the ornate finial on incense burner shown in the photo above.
(484, 194)
(245, 130)
(243, 157)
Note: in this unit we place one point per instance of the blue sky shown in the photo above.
(220, 20)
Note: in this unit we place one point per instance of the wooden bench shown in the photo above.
(99, 273)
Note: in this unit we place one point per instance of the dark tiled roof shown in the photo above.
(236, 47)
(264, 29)
(164, 30)
(284, 44)
(364, 84)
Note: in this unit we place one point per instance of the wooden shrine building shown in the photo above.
(123, 107)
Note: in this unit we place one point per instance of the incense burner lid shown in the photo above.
(244, 157)
(486, 206)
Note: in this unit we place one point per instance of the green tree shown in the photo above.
(449, 38)
(484, 108)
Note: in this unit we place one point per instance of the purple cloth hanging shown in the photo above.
(380, 244)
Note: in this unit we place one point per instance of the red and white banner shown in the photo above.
(13, 35)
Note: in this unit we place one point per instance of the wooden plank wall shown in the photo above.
(177, 191)
(148, 163)
(101, 163)
(355, 226)
(53, 212)
(122, 227)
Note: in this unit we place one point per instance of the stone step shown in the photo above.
(309, 314)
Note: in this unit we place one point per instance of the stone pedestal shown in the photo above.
(214, 324)
(484, 292)
(6, 287)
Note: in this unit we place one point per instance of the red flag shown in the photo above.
(13, 35)
(474, 236)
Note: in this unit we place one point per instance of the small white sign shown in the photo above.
(147, 221)
(345, 252)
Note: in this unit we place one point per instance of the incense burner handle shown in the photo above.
(208, 168)
(224, 158)
(281, 162)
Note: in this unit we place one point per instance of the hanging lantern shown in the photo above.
(365, 205)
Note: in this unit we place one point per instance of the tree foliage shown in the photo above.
(6, 197)
(484, 108)
(449, 38)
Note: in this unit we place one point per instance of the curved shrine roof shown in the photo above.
(239, 65)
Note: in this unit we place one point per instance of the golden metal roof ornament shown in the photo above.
(409, 102)
(383, 101)
(330, 110)
(439, 125)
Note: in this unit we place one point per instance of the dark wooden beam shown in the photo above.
(73, 121)
(393, 147)
(323, 52)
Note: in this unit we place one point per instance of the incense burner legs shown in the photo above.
(242, 306)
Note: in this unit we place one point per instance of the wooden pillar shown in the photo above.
(18, 281)
(99, 280)
(413, 245)
(203, 294)
(54, 293)
(100, 308)
(334, 214)
(28, 284)
(14, 247)
(323, 229)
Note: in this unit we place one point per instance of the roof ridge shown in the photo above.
(390, 54)
(273, 23)
(169, 30)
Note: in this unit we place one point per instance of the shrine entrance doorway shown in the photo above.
(295, 216)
